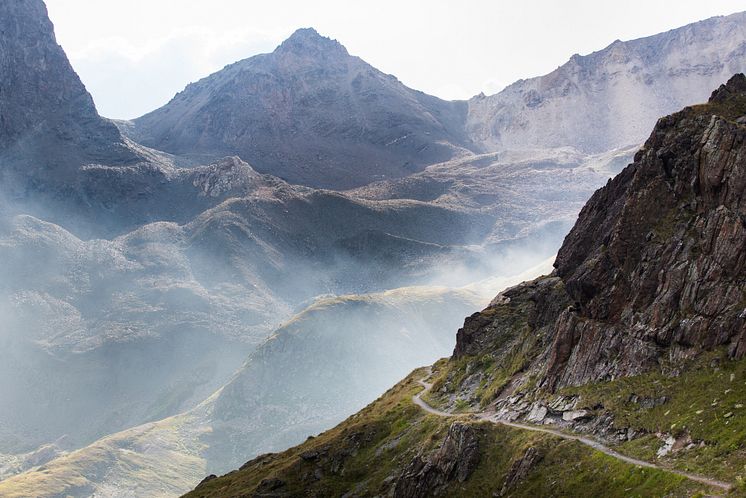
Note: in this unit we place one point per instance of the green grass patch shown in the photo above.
(706, 401)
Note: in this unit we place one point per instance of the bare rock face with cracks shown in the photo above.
(654, 268)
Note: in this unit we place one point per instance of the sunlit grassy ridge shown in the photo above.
(135, 453)
(251, 414)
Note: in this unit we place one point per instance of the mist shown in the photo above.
(258, 314)
(271, 314)
(111, 333)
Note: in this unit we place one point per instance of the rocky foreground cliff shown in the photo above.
(653, 270)
(637, 338)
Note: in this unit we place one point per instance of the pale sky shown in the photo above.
(135, 55)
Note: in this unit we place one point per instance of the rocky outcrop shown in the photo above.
(520, 469)
(539, 303)
(228, 176)
(456, 459)
(654, 268)
(656, 259)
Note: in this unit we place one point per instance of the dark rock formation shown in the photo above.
(726, 91)
(656, 258)
(540, 301)
(47, 118)
(456, 459)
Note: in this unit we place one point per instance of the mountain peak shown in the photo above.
(308, 41)
(309, 33)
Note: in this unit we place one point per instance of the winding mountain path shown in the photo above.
(492, 417)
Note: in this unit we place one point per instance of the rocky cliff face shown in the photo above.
(660, 74)
(455, 460)
(309, 113)
(654, 269)
(656, 260)
(47, 118)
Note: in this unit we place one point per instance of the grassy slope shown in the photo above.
(706, 402)
(365, 452)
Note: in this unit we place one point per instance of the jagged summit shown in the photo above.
(308, 41)
(309, 113)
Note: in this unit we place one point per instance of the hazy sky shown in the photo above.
(134, 55)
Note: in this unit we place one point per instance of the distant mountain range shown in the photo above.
(613, 97)
(313, 114)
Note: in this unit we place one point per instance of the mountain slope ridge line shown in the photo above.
(492, 418)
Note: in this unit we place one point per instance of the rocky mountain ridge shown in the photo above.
(136, 286)
(309, 113)
(660, 74)
(264, 109)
